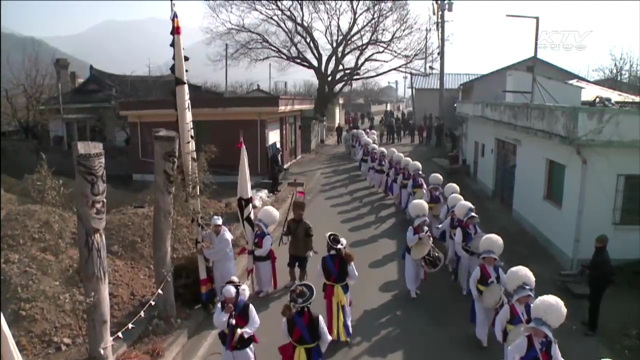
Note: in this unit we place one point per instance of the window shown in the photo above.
(555, 182)
(626, 209)
(146, 141)
(482, 151)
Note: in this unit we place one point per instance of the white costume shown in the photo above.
(339, 281)
(373, 161)
(403, 182)
(413, 270)
(417, 188)
(380, 170)
(364, 156)
(220, 254)
(491, 245)
(394, 175)
(465, 233)
(436, 200)
(244, 323)
(548, 312)
(263, 255)
(448, 215)
(519, 282)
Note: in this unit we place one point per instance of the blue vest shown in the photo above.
(532, 353)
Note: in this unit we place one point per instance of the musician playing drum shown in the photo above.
(466, 233)
(394, 174)
(435, 198)
(373, 161)
(237, 320)
(413, 270)
(509, 322)
(486, 275)
(447, 230)
(403, 182)
(388, 170)
(417, 185)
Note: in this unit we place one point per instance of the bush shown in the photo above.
(45, 189)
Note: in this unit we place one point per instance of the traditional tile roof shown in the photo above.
(103, 87)
(432, 81)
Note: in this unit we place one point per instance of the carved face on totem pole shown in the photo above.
(170, 165)
(93, 205)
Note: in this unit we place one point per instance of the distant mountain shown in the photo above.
(7, 30)
(201, 68)
(18, 49)
(124, 47)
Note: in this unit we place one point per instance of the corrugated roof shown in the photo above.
(432, 81)
(590, 91)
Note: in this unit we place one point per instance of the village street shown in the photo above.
(387, 323)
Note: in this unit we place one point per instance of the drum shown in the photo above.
(474, 245)
(492, 296)
(419, 194)
(515, 334)
(434, 210)
(430, 257)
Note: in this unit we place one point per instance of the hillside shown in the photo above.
(16, 48)
(124, 47)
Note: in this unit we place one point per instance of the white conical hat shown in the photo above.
(465, 210)
(435, 179)
(405, 162)
(366, 142)
(391, 152)
(373, 132)
(382, 151)
(373, 148)
(415, 167)
(450, 189)
(453, 200)
(548, 312)
(373, 138)
(418, 210)
(268, 217)
(398, 157)
(491, 245)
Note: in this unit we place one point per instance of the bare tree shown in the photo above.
(30, 84)
(340, 41)
(305, 88)
(624, 67)
(369, 91)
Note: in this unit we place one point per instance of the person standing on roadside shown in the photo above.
(600, 278)
(300, 232)
(339, 130)
(276, 170)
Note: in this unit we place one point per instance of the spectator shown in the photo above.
(381, 130)
(439, 131)
(421, 130)
(398, 129)
(599, 278)
(276, 170)
(391, 131)
(339, 130)
(429, 130)
(412, 131)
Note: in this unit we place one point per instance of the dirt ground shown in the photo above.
(42, 297)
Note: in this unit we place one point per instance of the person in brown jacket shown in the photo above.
(300, 244)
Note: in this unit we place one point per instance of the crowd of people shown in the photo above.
(502, 303)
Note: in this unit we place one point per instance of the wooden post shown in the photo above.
(165, 145)
(91, 209)
(9, 348)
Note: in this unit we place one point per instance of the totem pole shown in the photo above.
(91, 209)
(165, 144)
(188, 150)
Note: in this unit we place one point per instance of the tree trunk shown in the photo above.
(91, 209)
(322, 101)
(165, 145)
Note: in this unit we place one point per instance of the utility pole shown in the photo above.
(404, 94)
(535, 53)
(226, 67)
(149, 66)
(269, 77)
(426, 51)
(397, 91)
(441, 9)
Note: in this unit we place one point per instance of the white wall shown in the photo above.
(558, 223)
(604, 164)
(546, 92)
(57, 128)
(273, 133)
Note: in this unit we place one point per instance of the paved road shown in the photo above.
(387, 323)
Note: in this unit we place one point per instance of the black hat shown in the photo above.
(335, 241)
(302, 294)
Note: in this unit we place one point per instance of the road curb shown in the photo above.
(180, 338)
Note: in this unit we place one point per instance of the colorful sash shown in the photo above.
(533, 353)
(336, 298)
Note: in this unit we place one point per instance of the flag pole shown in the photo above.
(245, 208)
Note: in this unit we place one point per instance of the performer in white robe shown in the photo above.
(413, 270)
(465, 233)
(364, 156)
(346, 140)
(338, 271)
(436, 200)
(359, 144)
(417, 186)
(485, 274)
(447, 229)
(218, 249)
(264, 258)
(548, 312)
(373, 136)
(238, 321)
(394, 175)
(373, 160)
(387, 177)
(403, 183)
(520, 283)
(449, 189)
(380, 170)
(305, 332)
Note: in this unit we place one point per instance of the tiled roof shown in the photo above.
(432, 81)
(101, 87)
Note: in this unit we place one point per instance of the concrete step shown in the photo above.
(200, 344)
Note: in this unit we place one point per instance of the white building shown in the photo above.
(426, 94)
(569, 172)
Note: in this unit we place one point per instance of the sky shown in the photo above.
(482, 38)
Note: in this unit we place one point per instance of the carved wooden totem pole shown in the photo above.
(91, 208)
(165, 145)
